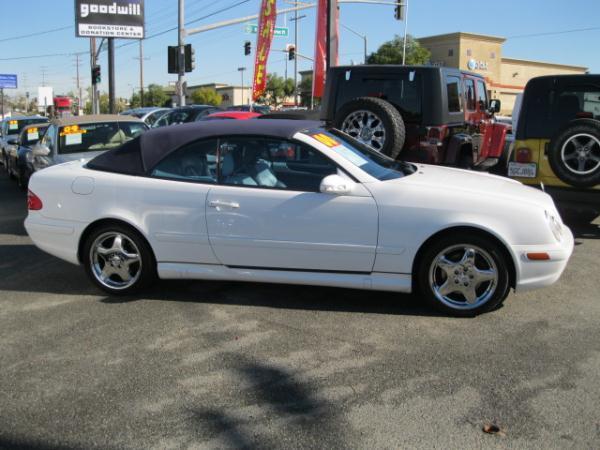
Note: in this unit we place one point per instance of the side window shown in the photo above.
(482, 95)
(454, 94)
(273, 163)
(193, 162)
(470, 94)
(48, 140)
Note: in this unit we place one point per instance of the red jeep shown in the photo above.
(417, 113)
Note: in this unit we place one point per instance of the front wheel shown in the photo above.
(463, 275)
(118, 260)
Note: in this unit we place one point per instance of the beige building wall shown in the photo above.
(482, 54)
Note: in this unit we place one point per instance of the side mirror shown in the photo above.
(12, 141)
(40, 150)
(494, 106)
(336, 185)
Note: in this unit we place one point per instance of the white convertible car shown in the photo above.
(284, 201)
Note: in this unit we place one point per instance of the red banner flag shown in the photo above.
(320, 68)
(266, 28)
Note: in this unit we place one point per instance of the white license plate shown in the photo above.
(522, 170)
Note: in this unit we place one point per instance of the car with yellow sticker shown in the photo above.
(10, 128)
(84, 137)
(20, 157)
(557, 142)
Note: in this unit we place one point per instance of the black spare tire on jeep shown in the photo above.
(374, 122)
(574, 153)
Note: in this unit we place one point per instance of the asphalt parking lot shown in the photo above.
(213, 365)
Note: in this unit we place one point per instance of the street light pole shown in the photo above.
(363, 37)
(241, 70)
(405, 31)
(181, 55)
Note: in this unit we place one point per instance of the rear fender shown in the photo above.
(456, 144)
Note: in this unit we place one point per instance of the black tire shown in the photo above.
(392, 122)
(492, 293)
(563, 145)
(22, 180)
(147, 266)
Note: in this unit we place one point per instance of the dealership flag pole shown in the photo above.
(111, 76)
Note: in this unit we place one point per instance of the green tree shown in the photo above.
(390, 52)
(276, 90)
(206, 96)
(305, 89)
(134, 102)
(155, 95)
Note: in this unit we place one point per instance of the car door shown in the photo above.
(267, 211)
(176, 203)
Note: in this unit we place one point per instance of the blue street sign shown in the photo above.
(8, 81)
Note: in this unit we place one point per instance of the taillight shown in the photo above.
(436, 135)
(34, 203)
(523, 155)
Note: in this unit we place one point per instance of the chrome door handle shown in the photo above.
(218, 203)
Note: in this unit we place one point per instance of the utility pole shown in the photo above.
(43, 69)
(181, 55)
(241, 70)
(141, 58)
(111, 76)
(79, 108)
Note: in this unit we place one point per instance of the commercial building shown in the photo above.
(479, 53)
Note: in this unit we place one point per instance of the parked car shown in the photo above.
(148, 114)
(184, 114)
(427, 114)
(10, 129)
(20, 154)
(261, 109)
(83, 137)
(558, 136)
(209, 200)
(228, 115)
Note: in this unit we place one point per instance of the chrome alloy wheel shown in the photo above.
(463, 276)
(581, 154)
(366, 127)
(115, 260)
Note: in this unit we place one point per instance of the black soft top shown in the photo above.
(141, 154)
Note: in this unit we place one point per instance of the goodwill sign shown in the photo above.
(123, 19)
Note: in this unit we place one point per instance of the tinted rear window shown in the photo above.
(403, 89)
(454, 93)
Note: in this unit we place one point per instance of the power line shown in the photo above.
(575, 30)
(23, 36)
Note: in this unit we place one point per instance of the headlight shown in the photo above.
(41, 162)
(555, 225)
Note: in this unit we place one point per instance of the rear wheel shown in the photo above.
(463, 275)
(118, 259)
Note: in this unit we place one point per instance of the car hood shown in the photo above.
(476, 183)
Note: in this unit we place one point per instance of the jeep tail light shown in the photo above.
(523, 155)
(436, 135)
(34, 203)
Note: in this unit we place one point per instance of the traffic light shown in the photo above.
(173, 59)
(247, 48)
(190, 58)
(291, 52)
(399, 11)
(96, 75)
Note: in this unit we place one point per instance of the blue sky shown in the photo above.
(219, 53)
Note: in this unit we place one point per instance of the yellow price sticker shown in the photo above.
(13, 122)
(72, 129)
(324, 139)
(32, 130)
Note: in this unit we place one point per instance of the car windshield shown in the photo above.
(97, 136)
(375, 164)
(16, 126)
